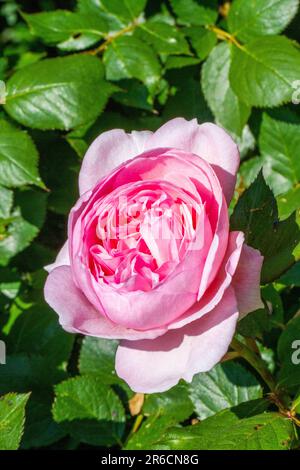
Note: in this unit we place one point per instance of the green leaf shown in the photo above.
(203, 40)
(29, 58)
(228, 110)
(245, 142)
(262, 320)
(38, 332)
(134, 94)
(41, 430)
(71, 31)
(97, 9)
(12, 418)
(3, 67)
(226, 385)
(6, 202)
(23, 224)
(267, 431)
(117, 13)
(289, 203)
(249, 170)
(164, 410)
(10, 283)
(188, 105)
(176, 62)
(63, 185)
(254, 324)
(264, 71)
(165, 38)
(97, 357)
(125, 10)
(174, 404)
(279, 144)
(37, 94)
(151, 430)
(197, 12)
(256, 215)
(129, 57)
(18, 158)
(292, 276)
(288, 349)
(250, 19)
(26, 372)
(89, 410)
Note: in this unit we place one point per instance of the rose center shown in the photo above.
(138, 236)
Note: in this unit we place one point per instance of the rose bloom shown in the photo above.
(150, 260)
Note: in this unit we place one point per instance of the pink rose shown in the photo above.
(149, 258)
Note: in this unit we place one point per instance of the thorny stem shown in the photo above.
(246, 353)
(224, 36)
(109, 39)
(278, 397)
(220, 33)
(230, 356)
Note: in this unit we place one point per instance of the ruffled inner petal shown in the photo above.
(136, 236)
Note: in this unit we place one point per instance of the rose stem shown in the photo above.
(246, 353)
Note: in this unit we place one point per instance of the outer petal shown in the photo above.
(217, 249)
(221, 283)
(157, 365)
(246, 281)
(77, 315)
(107, 152)
(208, 141)
(62, 259)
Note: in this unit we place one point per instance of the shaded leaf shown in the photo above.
(288, 349)
(23, 224)
(89, 410)
(256, 215)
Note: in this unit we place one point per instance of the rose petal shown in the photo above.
(217, 249)
(108, 151)
(157, 365)
(246, 281)
(223, 280)
(77, 315)
(208, 141)
(62, 259)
